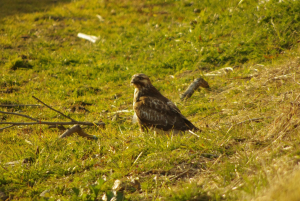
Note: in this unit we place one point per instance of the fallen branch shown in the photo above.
(77, 129)
(1, 129)
(7, 105)
(53, 109)
(193, 87)
(37, 121)
(54, 123)
(22, 115)
(45, 122)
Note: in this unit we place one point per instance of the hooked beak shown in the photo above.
(132, 82)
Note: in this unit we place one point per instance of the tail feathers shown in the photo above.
(191, 126)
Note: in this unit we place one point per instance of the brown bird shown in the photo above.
(154, 111)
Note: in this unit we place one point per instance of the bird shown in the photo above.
(155, 111)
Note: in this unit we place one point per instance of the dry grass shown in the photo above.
(282, 188)
(259, 127)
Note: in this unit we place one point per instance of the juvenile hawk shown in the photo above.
(154, 111)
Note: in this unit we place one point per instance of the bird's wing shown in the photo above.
(157, 113)
(173, 107)
(187, 124)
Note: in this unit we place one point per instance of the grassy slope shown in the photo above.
(42, 56)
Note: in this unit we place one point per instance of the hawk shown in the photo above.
(154, 111)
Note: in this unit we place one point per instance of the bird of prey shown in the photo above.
(154, 111)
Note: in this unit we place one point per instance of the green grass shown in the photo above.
(41, 55)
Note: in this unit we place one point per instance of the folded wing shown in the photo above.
(152, 112)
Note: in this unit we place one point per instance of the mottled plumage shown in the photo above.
(153, 110)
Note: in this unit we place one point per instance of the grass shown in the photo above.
(172, 42)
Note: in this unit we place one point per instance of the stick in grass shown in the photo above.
(44, 122)
(22, 115)
(250, 120)
(53, 109)
(193, 87)
(54, 123)
(77, 129)
(1, 129)
(9, 105)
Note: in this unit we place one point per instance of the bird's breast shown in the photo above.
(135, 96)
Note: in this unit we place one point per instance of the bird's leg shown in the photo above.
(144, 129)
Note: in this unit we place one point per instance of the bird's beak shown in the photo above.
(131, 82)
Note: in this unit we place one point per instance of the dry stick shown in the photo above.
(22, 115)
(55, 123)
(183, 173)
(20, 105)
(193, 133)
(254, 119)
(1, 129)
(193, 87)
(44, 122)
(54, 109)
(77, 129)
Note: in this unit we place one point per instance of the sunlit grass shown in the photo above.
(249, 118)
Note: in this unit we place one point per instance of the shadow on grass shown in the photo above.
(16, 7)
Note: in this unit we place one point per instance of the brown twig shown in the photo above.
(54, 109)
(181, 174)
(77, 129)
(54, 123)
(20, 105)
(193, 87)
(254, 119)
(22, 115)
(1, 129)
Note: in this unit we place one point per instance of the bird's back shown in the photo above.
(155, 110)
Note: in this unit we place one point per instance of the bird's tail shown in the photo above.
(191, 126)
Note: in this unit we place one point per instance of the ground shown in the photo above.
(249, 144)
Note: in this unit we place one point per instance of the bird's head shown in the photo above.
(140, 80)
